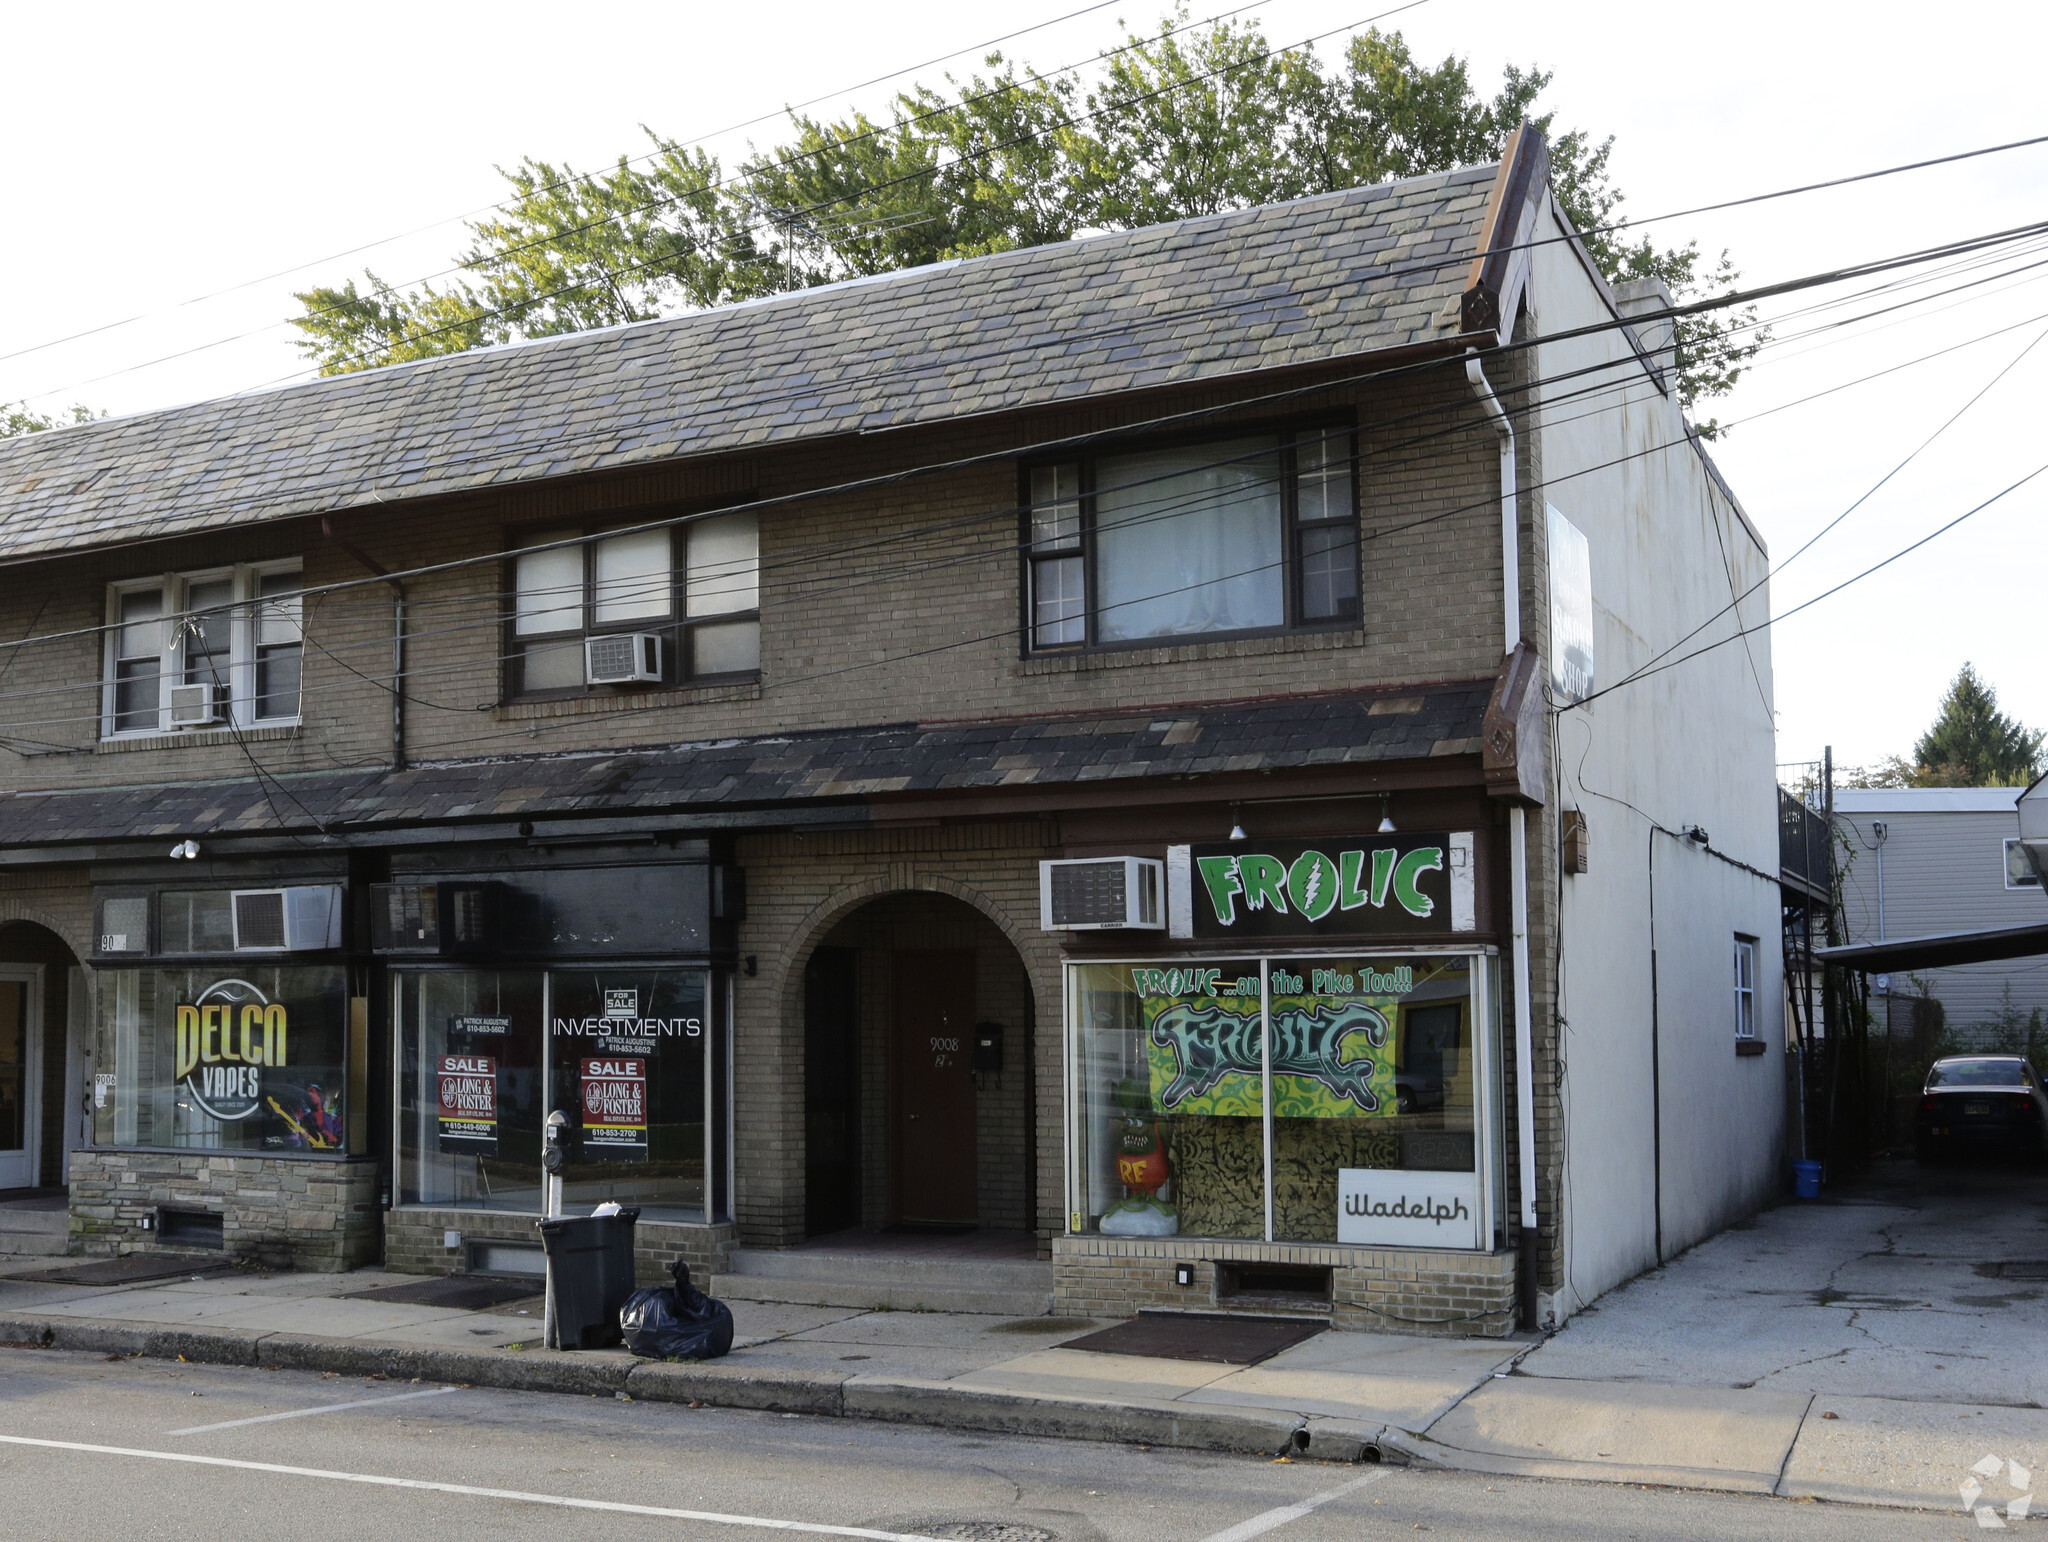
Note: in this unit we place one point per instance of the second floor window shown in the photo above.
(206, 649)
(648, 608)
(1254, 534)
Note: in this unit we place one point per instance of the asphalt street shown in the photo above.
(123, 1450)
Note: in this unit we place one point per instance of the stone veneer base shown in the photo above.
(1401, 1290)
(283, 1212)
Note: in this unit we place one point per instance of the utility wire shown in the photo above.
(583, 178)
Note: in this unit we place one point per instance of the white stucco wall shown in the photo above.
(1690, 746)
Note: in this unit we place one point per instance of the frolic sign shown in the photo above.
(226, 1038)
(1366, 886)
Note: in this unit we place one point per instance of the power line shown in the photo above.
(504, 205)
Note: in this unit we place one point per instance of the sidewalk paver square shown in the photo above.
(1885, 1451)
(1690, 1437)
(1407, 1402)
(1092, 1374)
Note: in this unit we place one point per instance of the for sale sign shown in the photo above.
(469, 1103)
(615, 1108)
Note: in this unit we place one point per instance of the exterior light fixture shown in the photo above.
(186, 850)
(1236, 827)
(1386, 818)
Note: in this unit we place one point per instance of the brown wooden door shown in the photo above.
(934, 1088)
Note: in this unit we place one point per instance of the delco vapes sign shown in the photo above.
(1366, 886)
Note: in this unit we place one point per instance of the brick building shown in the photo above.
(1073, 745)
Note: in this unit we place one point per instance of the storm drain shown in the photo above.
(988, 1531)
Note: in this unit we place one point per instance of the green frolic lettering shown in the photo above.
(1220, 878)
(1351, 891)
(1382, 874)
(1312, 885)
(1265, 880)
(1422, 860)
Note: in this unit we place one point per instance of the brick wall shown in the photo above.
(313, 1215)
(801, 889)
(1403, 1290)
(877, 606)
(415, 1242)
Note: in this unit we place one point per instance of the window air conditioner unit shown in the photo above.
(297, 920)
(193, 706)
(622, 658)
(1094, 894)
(433, 919)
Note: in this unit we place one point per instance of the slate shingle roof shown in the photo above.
(1319, 278)
(774, 773)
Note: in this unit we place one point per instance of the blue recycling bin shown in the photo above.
(1806, 1180)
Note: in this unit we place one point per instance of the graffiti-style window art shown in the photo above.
(1359, 1064)
(233, 1058)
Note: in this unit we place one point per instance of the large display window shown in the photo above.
(1313, 1098)
(633, 1057)
(230, 1057)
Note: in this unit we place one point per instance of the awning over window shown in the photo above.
(1939, 950)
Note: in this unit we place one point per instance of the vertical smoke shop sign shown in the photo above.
(1367, 886)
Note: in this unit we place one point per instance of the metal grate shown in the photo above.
(259, 919)
(1089, 893)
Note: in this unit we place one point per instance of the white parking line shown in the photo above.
(307, 1413)
(1259, 1525)
(559, 1501)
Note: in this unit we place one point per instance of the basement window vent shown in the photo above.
(520, 1258)
(1303, 1285)
(189, 1229)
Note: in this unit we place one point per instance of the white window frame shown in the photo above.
(247, 579)
(1745, 988)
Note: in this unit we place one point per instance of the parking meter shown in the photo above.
(554, 1156)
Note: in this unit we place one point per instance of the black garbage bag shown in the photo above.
(676, 1322)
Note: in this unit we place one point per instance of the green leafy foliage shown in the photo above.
(1189, 121)
(15, 418)
(1973, 744)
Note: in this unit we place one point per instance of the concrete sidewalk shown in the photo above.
(1482, 1405)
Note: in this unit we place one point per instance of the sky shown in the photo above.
(176, 172)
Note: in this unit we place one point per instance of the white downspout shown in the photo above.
(1518, 818)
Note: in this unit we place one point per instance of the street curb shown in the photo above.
(901, 1400)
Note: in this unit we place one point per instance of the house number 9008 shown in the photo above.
(950, 1045)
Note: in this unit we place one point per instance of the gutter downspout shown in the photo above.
(1518, 854)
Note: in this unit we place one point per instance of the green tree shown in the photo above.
(1193, 120)
(15, 418)
(1973, 744)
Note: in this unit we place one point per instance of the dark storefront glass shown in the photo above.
(1168, 1081)
(470, 1079)
(627, 1057)
(231, 1057)
(1372, 1069)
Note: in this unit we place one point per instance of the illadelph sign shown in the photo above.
(1366, 886)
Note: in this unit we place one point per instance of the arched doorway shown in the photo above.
(917, 1081)
(43, 1049)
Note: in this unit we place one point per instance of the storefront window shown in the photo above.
(629, 1070)
(470, 1073)
(237, 1058)
(632, 1058)
(1167, 1072)
(1308, 1099)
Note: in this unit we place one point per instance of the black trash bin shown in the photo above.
(590, 1274)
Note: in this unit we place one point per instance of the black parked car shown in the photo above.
(1981, 1103)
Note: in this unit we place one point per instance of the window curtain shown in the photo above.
(1189, 540)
